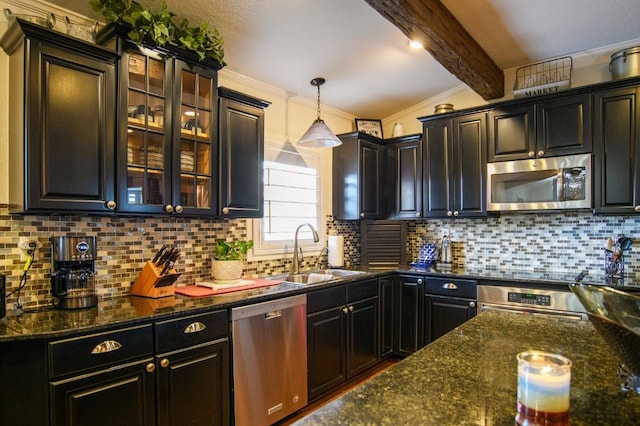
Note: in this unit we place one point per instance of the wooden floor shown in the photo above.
(337, 393)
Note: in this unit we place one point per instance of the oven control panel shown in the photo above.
(530, 299)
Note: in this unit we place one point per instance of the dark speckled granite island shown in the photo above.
(469, 377)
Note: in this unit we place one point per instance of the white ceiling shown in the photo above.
(369, 69)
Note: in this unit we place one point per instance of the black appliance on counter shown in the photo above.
(73, 272)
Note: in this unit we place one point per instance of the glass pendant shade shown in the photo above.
(319, 135)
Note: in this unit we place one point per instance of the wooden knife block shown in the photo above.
(151, 284)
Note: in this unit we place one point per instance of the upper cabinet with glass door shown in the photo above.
(167, 143)
(195, 129)
(145, 139)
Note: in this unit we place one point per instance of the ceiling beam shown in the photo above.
(429, 22)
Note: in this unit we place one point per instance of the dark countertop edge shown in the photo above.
(245, 297)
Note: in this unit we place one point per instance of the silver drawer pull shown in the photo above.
(194, 327)
(106, 346)
(450, 286)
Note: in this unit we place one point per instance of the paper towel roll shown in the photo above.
(336, 250)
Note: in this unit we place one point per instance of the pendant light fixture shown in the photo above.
(319, 135)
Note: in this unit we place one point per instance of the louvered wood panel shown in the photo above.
(383, 244)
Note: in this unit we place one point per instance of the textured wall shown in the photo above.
(125, 244)
(556, 242)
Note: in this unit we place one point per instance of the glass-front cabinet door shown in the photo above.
(146, 179)
(168, 141)
(195, 129)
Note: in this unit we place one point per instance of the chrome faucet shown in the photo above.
(295, 267)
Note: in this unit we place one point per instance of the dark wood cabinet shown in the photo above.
(454, 166)
(193, 385)
(241, 138)
(448, 303)
(387, 308)
(171, 372)
(167, 129)
(103, 379)
(617, 151)
(409, 295)
(342, 334)
(358, 177)
(407, 176)
(62, 116)
(24, 389)
(558, 126)
(123, 395)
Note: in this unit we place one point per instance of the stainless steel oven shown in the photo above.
(534, 301)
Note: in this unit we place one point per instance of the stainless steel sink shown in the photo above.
(338, 273)
(316, 276)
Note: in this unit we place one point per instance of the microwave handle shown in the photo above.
(560, 184)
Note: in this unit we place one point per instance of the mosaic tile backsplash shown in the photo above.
(557, 242)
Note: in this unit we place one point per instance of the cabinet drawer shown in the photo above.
(191, 330)
(99, 350)
(453, 287)
(362, 290)
(325, 299)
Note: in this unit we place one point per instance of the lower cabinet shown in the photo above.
(169, 373)
(409, 292)
(448, 304)
(387, 308)
(342, 334)
(192, 361)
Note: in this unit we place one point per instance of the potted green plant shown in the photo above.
(228, 259)
(159, 28)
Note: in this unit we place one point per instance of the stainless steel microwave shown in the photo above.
(553, 183)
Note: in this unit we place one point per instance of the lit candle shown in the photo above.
(544, 384)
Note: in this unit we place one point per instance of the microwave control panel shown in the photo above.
(530, 299)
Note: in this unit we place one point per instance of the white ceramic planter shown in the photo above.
(226, 270)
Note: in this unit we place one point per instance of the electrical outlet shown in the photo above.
(25, 244)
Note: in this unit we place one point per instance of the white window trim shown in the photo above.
(285, 248)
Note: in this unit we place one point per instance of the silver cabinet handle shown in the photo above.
(417, 214)
(345, 310)
(179, 208)
(450, 286)
(225, 210)
(106, 346)
(419, 280)
(168, 208)
(456, 213)
(541, 153)
(194, 327)
(637, 209)
(164, 363)
(449, 213)
(361, 214)
(351, 308)
(111, 205)
(151, 367)
(531, 154)
(472, 304)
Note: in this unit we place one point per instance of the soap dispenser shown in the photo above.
(447, 256)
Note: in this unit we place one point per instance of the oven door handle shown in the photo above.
(547, 313)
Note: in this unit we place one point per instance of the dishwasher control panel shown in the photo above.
(529, 299)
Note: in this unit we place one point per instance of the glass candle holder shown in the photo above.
(544, 384)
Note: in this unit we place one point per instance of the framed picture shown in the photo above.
(370, 127)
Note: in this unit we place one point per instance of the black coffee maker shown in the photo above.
(73, 275)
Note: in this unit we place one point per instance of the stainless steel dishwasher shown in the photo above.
(269, 360)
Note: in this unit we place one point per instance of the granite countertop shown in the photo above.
(122, 311)
(469, 377)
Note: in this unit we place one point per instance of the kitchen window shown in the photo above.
(293, 195)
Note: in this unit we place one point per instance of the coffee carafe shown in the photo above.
(72, 272)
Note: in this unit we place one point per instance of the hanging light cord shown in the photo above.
(318, 102)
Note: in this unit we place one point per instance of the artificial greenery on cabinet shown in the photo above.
(158, 27)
